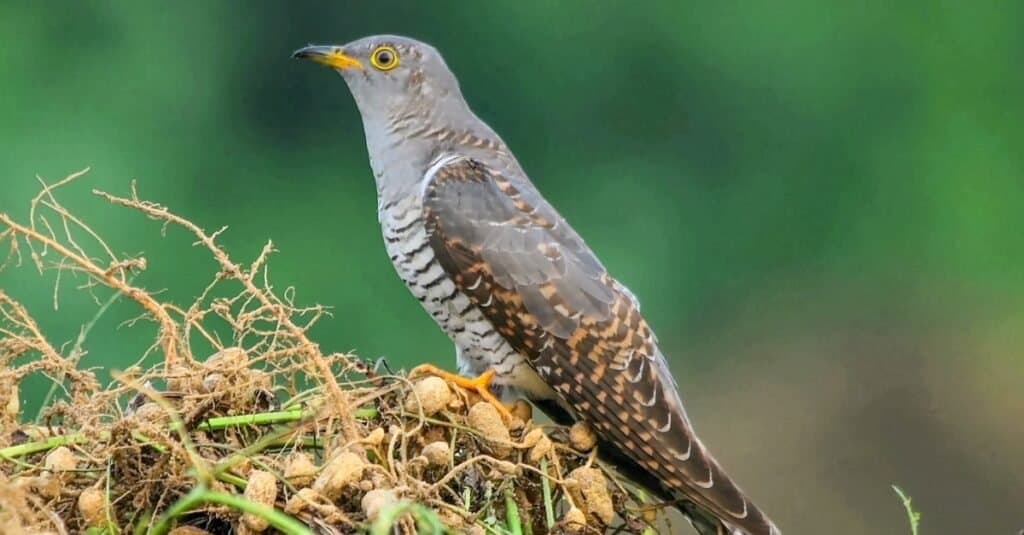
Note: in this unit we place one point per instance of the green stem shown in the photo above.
(142, 522)
(426, 519)
(913, 516)
(262, 418)
(366, 413)
(232, 479)
(222, 422)
(269, 418)
(641, 498)
(202, 495)
(512, 513)
(107, 508)
(144, 440)
(29, 448)
(545, 485)
(305, 442)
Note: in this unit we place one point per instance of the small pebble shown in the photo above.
(532, 438)
(431, 393)
(303, 501)
(243, 467)
(92, 504)
(376, 436)
(261, 489)
(581, 437)
(522, 409)
(486, 419)
(376, 500)
(151, 412)
(211, 381)
(592, 493)
(344, 469)
(227, 359)
(60, 461)
(299, 470)
(574, 521)
(46, 485)
(437, 453)
(540, 449)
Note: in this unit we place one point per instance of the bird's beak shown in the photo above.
(332, 56)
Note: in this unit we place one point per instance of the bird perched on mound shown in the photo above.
(529, 306)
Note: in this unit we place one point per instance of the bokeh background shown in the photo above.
(819, 205)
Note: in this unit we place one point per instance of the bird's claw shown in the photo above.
(481, 385)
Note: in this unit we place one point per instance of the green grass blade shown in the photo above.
(549, 506)
(427, 521)
(201, 495)
(515, 524)
(913, 516)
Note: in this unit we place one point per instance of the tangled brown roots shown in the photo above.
(260, 429)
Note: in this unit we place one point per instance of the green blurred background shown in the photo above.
(820, 206)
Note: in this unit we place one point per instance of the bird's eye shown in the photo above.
(384, 58)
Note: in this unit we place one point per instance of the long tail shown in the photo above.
(707, 517)
(707, 509)
(707, 524)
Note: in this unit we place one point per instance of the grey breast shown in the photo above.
(479, 346)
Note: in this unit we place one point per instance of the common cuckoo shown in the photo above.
(530, 308)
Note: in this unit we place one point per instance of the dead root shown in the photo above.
(258, 430)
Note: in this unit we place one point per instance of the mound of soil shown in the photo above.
(267, 433)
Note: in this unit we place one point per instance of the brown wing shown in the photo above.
(543, 289)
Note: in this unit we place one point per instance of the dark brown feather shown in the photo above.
(543, 289)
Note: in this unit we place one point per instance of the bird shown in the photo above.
(530, 308)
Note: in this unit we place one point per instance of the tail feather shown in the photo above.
(703, 518)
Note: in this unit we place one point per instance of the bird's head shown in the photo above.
(390, 76)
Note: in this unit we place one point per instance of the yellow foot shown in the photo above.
(481, 385)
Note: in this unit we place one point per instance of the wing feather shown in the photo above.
(546, 292)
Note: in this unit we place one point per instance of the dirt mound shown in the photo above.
(264, 433)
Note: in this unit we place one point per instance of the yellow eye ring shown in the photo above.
(384, 58)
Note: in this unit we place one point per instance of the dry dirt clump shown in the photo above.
(235, 421)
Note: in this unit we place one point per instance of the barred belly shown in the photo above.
(478, 345)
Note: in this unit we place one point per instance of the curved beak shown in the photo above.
(332, 56)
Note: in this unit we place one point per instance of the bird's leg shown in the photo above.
(480, 384)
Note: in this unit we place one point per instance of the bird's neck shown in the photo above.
(402, 146)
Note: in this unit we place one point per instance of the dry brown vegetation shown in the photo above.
(259, 430)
